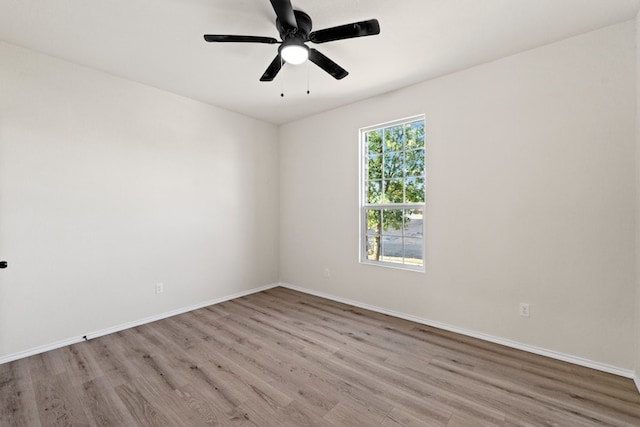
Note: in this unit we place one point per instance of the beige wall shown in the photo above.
(530, 175)
(108, 186)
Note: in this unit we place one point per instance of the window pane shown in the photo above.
(393, 191)
(414, 163)
(393, 163)
(374, 141)
(413, 223)
(374, 166)
(393, 139)
(413, 252)
(374, 221)
(391, 249)
(374, 192)
(392, 222)
(414, 134)
(373, 248)
(414, 190)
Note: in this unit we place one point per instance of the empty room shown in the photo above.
(336, 213)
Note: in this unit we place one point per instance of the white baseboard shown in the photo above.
(474, 334)
(133, 324)
(490, 338)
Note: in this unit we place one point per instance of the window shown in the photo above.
(393, 194)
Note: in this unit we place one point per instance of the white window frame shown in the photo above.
(363, 205)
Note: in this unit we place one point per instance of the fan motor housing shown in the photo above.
(303, 30)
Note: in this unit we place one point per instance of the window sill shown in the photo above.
(405, 267)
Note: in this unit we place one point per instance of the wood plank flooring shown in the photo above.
(282, 358)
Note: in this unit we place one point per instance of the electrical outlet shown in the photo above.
(327, 272)
(159, 288)
(524, 309)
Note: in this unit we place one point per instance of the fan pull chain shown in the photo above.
(281, 80)
(308, 77)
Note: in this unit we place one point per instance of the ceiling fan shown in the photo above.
(294, 27)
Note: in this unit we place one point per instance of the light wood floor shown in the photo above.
(282, 358)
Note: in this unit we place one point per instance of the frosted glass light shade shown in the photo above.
(294, 53)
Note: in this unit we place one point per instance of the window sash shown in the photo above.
(394, 205)
(365, 206)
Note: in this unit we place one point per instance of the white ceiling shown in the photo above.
(159, 43)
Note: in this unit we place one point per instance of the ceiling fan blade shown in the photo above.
(328, 65)
(272, 70)
(238, 39)
(347, 31)
(284, 12)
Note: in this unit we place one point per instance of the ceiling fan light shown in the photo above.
(294, 52)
